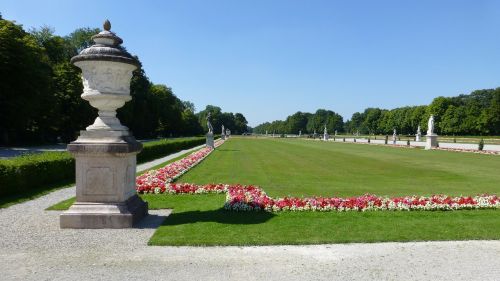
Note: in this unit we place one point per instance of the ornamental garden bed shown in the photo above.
(210, 219)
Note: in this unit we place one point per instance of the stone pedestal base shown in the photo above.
(325, 137)
(210, 140)
(418, 138)
(431, 141)
(105, 181)
(105, 215)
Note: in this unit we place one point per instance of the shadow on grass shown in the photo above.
(218, 216)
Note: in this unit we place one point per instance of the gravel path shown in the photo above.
(33, 247)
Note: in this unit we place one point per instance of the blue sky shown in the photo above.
(268, 59)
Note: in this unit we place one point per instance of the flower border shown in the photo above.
(253, 198)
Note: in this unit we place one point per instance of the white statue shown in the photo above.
(430, 126)
(209, 125)
(223, 131)
(335, 132)
(394, 134)
(324, 131)
(300, 133)
(419, 134)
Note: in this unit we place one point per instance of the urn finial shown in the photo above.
(107, 25)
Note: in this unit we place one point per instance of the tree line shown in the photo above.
(477, 113)
(306, 123)
(40, 93)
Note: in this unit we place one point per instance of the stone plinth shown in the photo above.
(431, 141)
(105, 181)
(210, 140)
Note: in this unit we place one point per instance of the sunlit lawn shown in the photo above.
(303, 168)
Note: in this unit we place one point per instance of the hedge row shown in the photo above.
(20, 174)
(157, 149)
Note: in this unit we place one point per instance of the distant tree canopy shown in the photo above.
(237, 123)
(40, 93)
(307, 123)
(475, 114)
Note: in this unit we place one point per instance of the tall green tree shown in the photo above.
(24, 85)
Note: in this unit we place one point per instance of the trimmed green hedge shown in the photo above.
(20, 174)
(157, 149)
(26, 172)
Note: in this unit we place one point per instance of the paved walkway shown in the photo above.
(33, 247)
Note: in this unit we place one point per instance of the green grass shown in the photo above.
(199, 220)
(300, 167)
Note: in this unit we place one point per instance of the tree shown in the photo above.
(296, 122)
(24, 85)
(240, 123)
(81, 38)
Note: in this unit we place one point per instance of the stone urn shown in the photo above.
(105, 153)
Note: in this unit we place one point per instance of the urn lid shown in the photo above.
(106, 48)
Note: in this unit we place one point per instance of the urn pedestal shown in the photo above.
(210, 140)
(105, 182)
(431, 141)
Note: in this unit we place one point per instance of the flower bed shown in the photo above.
(488, 152)
(156, 180)
(253, 198)
(243, 198)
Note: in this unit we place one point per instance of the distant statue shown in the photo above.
(335, 132)
(324, 131)
(209, 125)
(300, 133)
(394, 135)
(430, 126)
(223, 130)
(419, 134)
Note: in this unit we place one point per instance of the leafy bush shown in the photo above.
(481, 144)
(32, 171)
(160, 148)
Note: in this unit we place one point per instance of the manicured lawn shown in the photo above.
(199, 220)
(300, 167)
